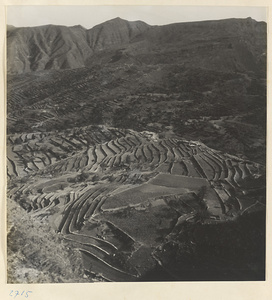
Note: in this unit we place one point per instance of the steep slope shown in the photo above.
(116, 32)
(59, 47)
(227, 45)
(231, 45)
(46, 47)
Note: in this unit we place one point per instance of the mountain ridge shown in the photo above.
(60, 47)
(10, 26)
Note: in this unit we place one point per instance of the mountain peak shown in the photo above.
(79, 27)
(119, 21)
(113, 32)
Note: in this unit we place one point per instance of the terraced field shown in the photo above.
(137, 150)
(119, 195)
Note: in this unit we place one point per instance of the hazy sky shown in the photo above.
(89, 16)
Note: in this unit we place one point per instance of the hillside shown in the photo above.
(127, 200)
(142, 147)
(58, 47)
(51, 47)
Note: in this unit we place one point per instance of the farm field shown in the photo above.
(113, 204)
(138, 157)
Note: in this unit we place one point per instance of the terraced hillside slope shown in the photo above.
(137, 152)
(204, 81)
(121, 196)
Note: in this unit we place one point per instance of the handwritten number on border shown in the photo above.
(23, 294)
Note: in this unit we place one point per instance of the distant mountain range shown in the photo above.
(231, 45)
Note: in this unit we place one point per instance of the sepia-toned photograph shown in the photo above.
(136, 143)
